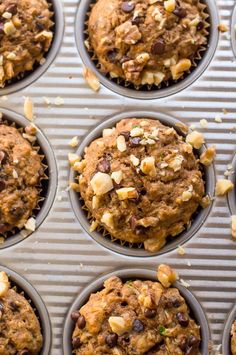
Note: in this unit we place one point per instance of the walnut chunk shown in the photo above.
(222, 27)
(208, 156)
(169, 5)
(148, 166)
(29, 108)
(121, 144)
(196, 139)
(91, 79)
(186, 196)
(117, 176)
(134, 160)
(107, 219)
(127, 33)
(127, 193)
(118, 325)
(166, 275)
(101, 183)
(178, 69)
(223, 187)
(136, 132)
(73, 158)
(79, 166)
(176, 163)
(9, 28)
(4, 284)
(107, 132)
(95, 202)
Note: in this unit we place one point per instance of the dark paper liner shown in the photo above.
(28, 77)
(46, 191)
(100, 235)
(23, 287)
(210, 17)
(196, 310)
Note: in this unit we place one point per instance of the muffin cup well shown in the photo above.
(127, 274)
(80, 210)
(226, 336)
(22, 285)
(203, 58)
(233, 33)
(30, 77)
(48, 186)
(232, 194)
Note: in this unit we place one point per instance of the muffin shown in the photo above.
(21, 171)
(135, 317)
(233, 338)
(25, 36)
(147, 42)
(20, 332)
(141, 182)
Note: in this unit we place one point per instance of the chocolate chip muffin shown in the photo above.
(20, 332)
(233, 338)
(141, 182)
(135, 317)
(147, 42)
(21, 170)
(25, 36)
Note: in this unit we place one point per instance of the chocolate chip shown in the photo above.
(23, 352)
(14, 306)
(3, 228)
(133, 142)
(76, 343)
(75, 315)
(150, 313)
(158, 47)
(111, 340)
(132, 222)
(137, 20)
(126, 134)
(172, 302)
(17, 212)
(104, 166)
(81, 322)
(180, 12)
(112, 56)
(192, 340)
(200, 26)
(138, 326)
(127, 6)
(140, 230)
(40, 26)
(2, 185)
(182, 319)
(12, 8)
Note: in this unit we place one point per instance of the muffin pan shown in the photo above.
(196, 310)
(59, 258)
(81, 213)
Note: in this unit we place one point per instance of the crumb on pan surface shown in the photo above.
(148, 42)
(21, 171)
(25, 36)
(141, 182)
(20, 332)
(135, 317)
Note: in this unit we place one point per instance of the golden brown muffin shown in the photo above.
(25, 36)
(135, 317)
(233, 338)
(141, 182)
(20, 173)
(146, 42)
(20, 332)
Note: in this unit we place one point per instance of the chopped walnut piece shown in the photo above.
(127, 193)
(73, 158)
(233, 226)
(108, 132)
(166, 275)
(74, 186)
(206, 201)
(136, 132)
(208, 156)
(9, 28)
(93, 226)
(4, 284)
(74, 142)
(223, 187)
(107, 219)
(101, 183)
(148, 166)
(91, 79)
(95, 202)
(118, 325)
(186, 196)
(79, 166)
(222, 27)
(121, 144)
(169, 5)
(178, 69)
(134, 160)
(30, 225)
(176, 163)
(196, 139)
(127, 33)
(29, 109)
(181, 251)
(117, 176)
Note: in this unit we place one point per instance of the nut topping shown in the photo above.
(101, 183)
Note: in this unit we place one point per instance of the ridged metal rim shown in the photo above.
(83, 9)
(50, 56)
(231, 197)
(135, 273)
(233, 31)
(38, 303)
(135, 252)
(44, 144)
(226, 336)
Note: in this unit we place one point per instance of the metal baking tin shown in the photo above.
(233, 31)
(83, 9)
(52, 178)
(115, 246)
(37, 303)
(226, 337)
(127, 274)
(35, 74)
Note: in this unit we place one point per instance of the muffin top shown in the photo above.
(135, 317)
(141, 182)
(20, 173)
(233, 338)
(20, 332)
(25, 36)
(149, 41)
